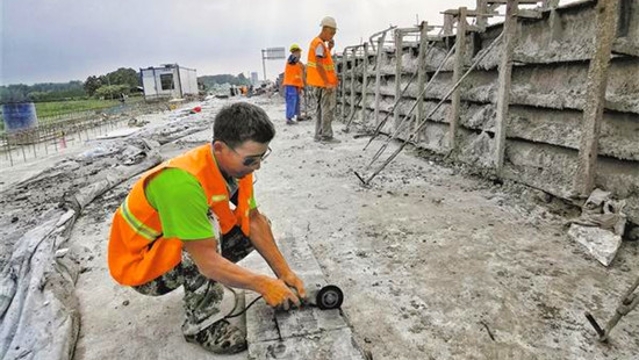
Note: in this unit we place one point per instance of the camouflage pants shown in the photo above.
(204, 298)
(326, 100)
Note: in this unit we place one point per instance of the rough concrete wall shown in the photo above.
(633, 24)
(563, 35)
(549, 77)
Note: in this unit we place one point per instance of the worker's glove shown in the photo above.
(276, 293)
(292, 280)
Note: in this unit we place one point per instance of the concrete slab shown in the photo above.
(304, 333)
(327, 345)
(601, 244)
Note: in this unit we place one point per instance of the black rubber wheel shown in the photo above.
(329, 297)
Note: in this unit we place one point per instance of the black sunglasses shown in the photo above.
(251, 160)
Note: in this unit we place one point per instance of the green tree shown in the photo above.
(211, 80)
(124, 76)
(15, 92)
(92, 84)
(111, 91)
(38, 96)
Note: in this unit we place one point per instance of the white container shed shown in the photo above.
(168, 81)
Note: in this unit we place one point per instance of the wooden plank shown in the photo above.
(354, 65)
(421, 75)
(460, 53)
(408, 30)
(449, 22)
(482, 8)
(606, 25)
(505, 76)
(469, 13)
(343, 83)
(364, 83)
(398, 72)
(378, 75)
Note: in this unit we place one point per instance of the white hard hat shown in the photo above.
(329, 21)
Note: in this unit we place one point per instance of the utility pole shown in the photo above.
(264, 64)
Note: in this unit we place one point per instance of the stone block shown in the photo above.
(601, 244)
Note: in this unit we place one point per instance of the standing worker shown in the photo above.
(164, 235)
(293, 83)
(321, 75)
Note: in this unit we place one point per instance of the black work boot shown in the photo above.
(220, 338)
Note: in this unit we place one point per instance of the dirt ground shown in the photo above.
(434, 263)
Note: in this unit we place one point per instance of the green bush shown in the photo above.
(111, 91)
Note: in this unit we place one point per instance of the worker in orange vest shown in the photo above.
(188, 221)
(293, 84)
(321, 75)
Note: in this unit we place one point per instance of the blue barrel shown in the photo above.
(19, 116)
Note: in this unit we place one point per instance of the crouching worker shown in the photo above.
(164, 235)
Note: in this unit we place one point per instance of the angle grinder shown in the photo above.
(327, 298)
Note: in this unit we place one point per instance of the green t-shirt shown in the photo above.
(182, 205)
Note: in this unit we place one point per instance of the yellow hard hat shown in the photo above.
(295, 47)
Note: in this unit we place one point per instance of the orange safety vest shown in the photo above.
(137, 251)
(313, 77)
(294, 74)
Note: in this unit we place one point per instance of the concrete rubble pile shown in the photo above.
(601, 226)
(38, 309)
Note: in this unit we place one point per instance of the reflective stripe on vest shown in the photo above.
(217, 198)
(137, 251)
(313, 76)
(327, 67)
(136, 224)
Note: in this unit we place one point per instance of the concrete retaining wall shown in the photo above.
(547, 95)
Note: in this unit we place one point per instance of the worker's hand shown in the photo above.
(276, 293)
(292, 280)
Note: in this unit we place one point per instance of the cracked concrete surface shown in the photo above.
(434, 263)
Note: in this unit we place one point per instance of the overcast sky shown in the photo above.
(62, 40)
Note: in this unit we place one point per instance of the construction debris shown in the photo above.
(601, 226)
(602, 244)
(38, 272)
(38, 307)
